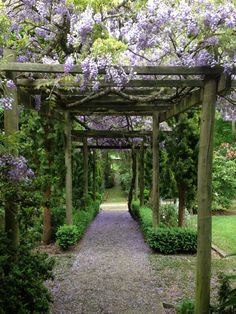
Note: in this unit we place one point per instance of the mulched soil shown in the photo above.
(109, 271)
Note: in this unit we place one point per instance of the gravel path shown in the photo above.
(109, 272)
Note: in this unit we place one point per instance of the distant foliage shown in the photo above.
(22, 276)
(224, 176)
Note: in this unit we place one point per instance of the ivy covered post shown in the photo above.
(203, 274)
(11, 126)
(155, 173)
(85, 169)
(94, 175)
(137, 175)
(141, 174)
(69, 202)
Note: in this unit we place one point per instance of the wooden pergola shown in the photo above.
(186, 87)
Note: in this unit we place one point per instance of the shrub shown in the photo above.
(58, 219)
(67, 235)
(226, 295)
(172, 240)
(186, 307)
(22, 276)
(165, 240)
(168, 215)
(135, 209)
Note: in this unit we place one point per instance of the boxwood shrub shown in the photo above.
(165, 240)
(172, 240)
(68, 235)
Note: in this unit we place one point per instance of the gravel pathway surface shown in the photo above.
(109, 272)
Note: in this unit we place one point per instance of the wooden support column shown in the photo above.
(141, 175)
(137, 175)
(155, 173)
(85, 168)
(203, 274)
(94, 175)
(11, 125)
(69, 202)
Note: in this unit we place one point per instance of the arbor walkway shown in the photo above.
(110, 272)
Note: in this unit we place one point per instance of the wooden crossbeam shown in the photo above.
(128, 146)
(194, 99)
(133, 83)
(124, 109)
(109, 134)
(139, 70)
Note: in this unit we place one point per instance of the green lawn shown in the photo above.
(224, 233)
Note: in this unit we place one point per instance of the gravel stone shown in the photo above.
(109, 271)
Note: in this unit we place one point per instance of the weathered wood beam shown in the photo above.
(67, 131)
(133, 83)
(136, 189)
(85, 170)
(194, 99)
(141, 174)
(102, 147)
(11, 126)
(108, 108)
(94, 175)
(110, 134)
(140, 70)
(203, 271)
(155, 173)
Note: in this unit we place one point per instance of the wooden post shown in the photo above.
(11, 125)
(155, 173)
(203, 274)
(136, 175)
(69, 202)
(141, 175)
(85, 168)
(234, 127)
(94, 175)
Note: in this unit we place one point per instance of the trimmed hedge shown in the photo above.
(68, 235)
(172, 240)
(165, 240)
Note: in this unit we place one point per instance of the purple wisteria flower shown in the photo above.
(10, 84)
(69, 64)
(15, 168)
(6, 103)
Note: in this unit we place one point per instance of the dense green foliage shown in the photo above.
(186, 307)
(22, 276)
(226, 295)
(172, 240)
(165, 240)
(68, 235)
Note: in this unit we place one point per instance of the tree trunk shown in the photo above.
(136, 175)
(132, 183)
(85, 169)
(11, 125)
(141, 175)
(69, 215)
(47, 225)
(181, 191)
(203, 274)
(94, 175)
(155, 173)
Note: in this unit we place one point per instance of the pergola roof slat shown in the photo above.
(139, 70)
